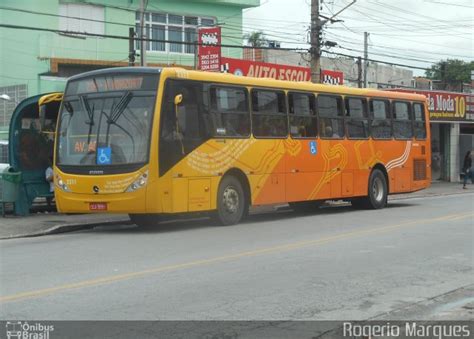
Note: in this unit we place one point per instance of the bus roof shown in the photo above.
(289, 85)
(182, 73)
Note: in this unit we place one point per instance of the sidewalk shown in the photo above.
(50, 223)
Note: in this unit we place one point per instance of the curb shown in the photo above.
(65, 228)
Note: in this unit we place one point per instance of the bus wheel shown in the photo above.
(378, 192)
(231, 202)
(305, 206)
(144, 220)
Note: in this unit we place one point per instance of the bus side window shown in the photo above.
(183, 131)
(381, 124)
(402, 122)
(302, 112)
(331, 119)
(269, 114)
(419, 122)
(357, 122)
(229, 112)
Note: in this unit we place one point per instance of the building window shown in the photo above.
(17, 93)
(269, 114)
(303, 121)
(419, 123)
(230, 112)
(331, 120)
(81, 18)
(381, 124)
(176, 28)
(357, 121)
(402, 126)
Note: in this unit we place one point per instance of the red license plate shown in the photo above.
(98, 206)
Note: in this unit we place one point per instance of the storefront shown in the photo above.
(452, 131)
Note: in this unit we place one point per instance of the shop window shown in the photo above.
(357, 122)
(269, 114)
(381, 124)
(229, 114)
(419, 123)
(302, 115)
(402, 124)
(331, 120)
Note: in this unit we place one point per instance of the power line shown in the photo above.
(379, 61)
(120, 37)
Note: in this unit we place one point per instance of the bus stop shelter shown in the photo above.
(31, 145)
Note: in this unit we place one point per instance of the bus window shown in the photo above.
(357, 122)
(186, 129)
(230, 112)
(402, 126)
(419, 121)
(331, 121)
(303, 121)
(381, 124)
(269, 114)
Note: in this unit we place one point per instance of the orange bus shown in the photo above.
(151, 141)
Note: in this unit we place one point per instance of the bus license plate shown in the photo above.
(98, 206)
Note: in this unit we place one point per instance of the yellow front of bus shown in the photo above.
(106, 145)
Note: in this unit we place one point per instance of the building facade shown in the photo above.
(40, 59)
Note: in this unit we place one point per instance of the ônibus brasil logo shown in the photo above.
(25, 330)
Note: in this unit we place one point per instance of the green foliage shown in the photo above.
(455, 71)
(256, 39)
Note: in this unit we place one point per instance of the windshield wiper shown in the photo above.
(115, 114)
(90, 114)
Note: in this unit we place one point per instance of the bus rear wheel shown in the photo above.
(378, 192)
(232, 205)
(144, 220)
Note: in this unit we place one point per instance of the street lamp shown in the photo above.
(5, 97)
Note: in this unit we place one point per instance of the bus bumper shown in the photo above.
(130, 202)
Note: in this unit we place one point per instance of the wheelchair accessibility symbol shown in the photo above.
(312, 148)
(104, 155)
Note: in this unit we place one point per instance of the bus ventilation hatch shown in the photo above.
(419, 169)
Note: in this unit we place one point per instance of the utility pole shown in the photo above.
(366, 56)
(359, 72)
(143, 4)
(316, 36)
(315, 40)
(131, 46)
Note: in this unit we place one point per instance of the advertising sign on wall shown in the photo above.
(332, 77)
(445, 106)
(209, 49)
(265, 70)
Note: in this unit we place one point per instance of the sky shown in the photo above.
(409, 32)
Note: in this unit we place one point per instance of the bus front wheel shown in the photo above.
(231, 202)
(378, 192)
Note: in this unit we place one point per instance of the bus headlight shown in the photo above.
(61, 184)
(139, 183)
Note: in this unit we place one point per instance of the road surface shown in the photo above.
(336, 263)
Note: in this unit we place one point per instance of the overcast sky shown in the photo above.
(411, 32)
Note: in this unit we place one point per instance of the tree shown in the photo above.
(451, 71)
(256, 39)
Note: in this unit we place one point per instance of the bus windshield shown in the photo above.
(106, 126)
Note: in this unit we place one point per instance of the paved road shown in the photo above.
(336, 263)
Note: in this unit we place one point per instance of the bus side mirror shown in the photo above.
(178, 99)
